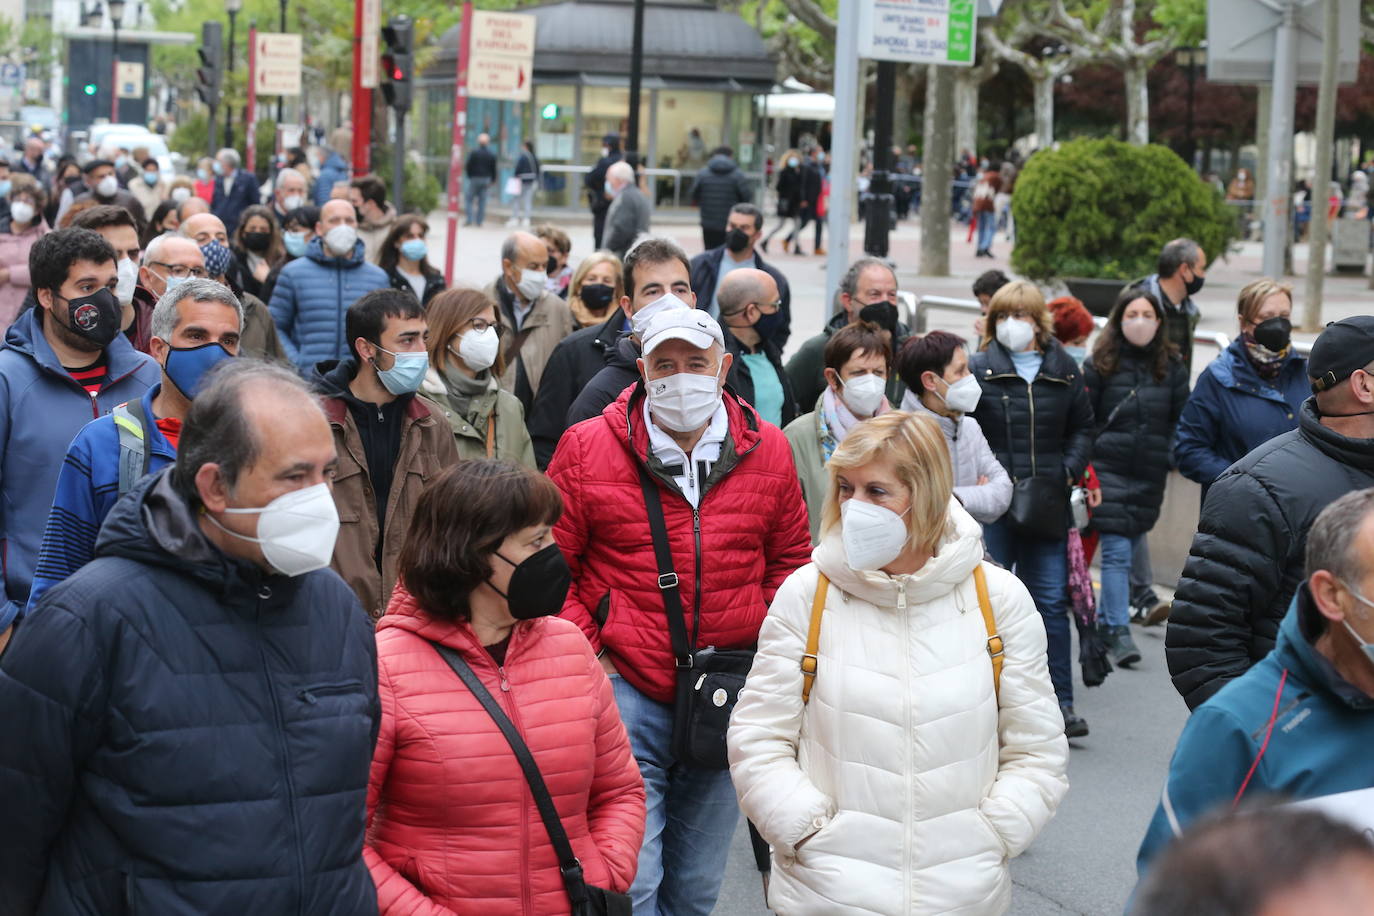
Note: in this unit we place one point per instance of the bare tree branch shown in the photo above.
(811, 14)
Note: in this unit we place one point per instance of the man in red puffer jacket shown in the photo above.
(736, 527)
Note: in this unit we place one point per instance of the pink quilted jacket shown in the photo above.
(751, 533)
(451, 825)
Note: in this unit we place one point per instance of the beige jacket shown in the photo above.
(374, 234)
(545, 326)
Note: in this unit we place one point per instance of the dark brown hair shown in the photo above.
(860, 337)
(448, 313)
(1106, 357)
(652, 251)
(932, 352)
(460, 520)
(389, 256)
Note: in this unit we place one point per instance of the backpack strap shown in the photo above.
(995, 650)
(813, 637)
(134, 453)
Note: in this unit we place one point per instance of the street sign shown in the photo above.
(11, 74)
(918, 31)
(1240, 41)
(278, 64)
(501, 65)
(372, 23)
(130, 78)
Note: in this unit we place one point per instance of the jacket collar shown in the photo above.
(1057, 364)
(404, 613)
(611, 331)
(1234, 369)
(314, 250)
(538, 315)
(26, 336)
(1355, 453)
(1296, 651)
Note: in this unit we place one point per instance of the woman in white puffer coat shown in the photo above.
(912, 775)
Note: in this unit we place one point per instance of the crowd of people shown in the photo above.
(303, 551)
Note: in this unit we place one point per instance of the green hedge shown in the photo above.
(1103, 208)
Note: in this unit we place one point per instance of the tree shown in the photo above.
(1023, 25)
(801, 33)
(967, 81)
(938, 159)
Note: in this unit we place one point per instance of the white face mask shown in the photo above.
(297, 530)
(1139, 331)
(863, 395)
(963, 396)
(478, 349)
(107, 186)
(127, 273)
(181, 195)
(341, 239)
(21, 211)
(1015, 333)
(684, 402)
(531, 284)
(873, 536)
(660, 305)
(292, 201)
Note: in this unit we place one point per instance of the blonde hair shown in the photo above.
(1018, 296)
(917, 450)
(1253, 294)
(590, 261)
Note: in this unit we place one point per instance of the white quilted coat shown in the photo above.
(909, 785)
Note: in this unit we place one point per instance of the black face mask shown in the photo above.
(1273, 334)
(1194, 286)
(538, 585)
(96, 317)
(551, 267)
(883, 314)
(736, 240)
(596, 296)
(257, 241)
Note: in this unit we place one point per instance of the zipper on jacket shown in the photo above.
(285, 751)
(95, 405)
(696, 595)
(909, 764)
(505, 681)
(1030, 394)
(512, 711)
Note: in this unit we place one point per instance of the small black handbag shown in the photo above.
(1039, 507)
(587, 899)
(708, 680)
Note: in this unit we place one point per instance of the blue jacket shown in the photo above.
(311, 296)
(185, 733)
(1232, 410)
(1324, 729)
(41, 409)
(335, 169)
(87, 488)
(229, 207)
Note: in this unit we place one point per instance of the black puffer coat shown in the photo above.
(1136, 415)
(185, 733)
(1247, 558)
(719, 187)
(574, 362)
(1051, 417)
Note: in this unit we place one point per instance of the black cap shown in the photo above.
(1344, 346)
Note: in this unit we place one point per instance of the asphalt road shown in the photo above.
(1084, 862)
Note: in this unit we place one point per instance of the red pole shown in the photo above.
(114, 96)
(460, 126)
(362, 99)
(251, 156)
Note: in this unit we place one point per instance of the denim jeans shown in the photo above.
(1142, 573)
(690, 815)
(1117, 550)
(1043, 567)
(476, 193)
(987, 225)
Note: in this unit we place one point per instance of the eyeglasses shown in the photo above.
(481, 324)
(769, 308)
(181, 271)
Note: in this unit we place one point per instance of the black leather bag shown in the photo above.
(708, 680)
(1039, 508)
(587, 899)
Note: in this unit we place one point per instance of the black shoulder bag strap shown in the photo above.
(667, 578)
(568, 865)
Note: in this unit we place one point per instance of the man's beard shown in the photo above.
(69, 337)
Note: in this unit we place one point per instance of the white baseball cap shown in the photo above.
(663, 303)
(692, 325)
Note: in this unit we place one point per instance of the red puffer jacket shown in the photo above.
(750, 534)
(451, 824)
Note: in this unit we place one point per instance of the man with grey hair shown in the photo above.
(288, 193)
(535, 319)
(190, 717)
(628, 217)
(1182, 270)
(235, 190)
(168, 260)
(1298, 723)
(195, 326)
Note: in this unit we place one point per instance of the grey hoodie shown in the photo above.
(972, 458)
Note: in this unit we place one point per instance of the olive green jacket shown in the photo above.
(807, 435)
(510, 439)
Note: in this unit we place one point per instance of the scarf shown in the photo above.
(584, 316)
(1266, 362)
(837, 420)
(472, 398)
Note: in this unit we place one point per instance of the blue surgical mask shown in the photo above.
(1366, 647)
(186, 367)
(295, 243)
(1077, 354)
(121, 161)
(218, 167)
(202, 174)
(414, 249)
(151, 178)
(174, 282)
(406, 373)
(5, 187)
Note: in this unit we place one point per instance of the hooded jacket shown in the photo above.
(334, 170)
(620, 372)
(732, 552)
(719, 186)
(186, 733)
(1322, 727)
(972, 459)
(311, 296)
(910, 778)
(426, 449)
(87, 489)
(573, 363)
(42, 408)
(440, 842)
(1232, 410)
(1248, 555)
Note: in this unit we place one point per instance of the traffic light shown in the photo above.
(89, 88)
(211, 70)
(398, 63)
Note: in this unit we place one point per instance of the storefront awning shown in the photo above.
(801, 106)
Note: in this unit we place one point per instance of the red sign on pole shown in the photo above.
(251, 153)
(362, 97)
(460, 126)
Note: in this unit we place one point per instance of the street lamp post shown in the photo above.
(231, 7)
(1192, 58)
(116, 17)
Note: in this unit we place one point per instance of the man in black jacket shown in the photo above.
(756, 373)
(719, 186)
(189, 719)
(574, 362)
(595, 184)
(1246, 560)
(478, 174)
(742, 233)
